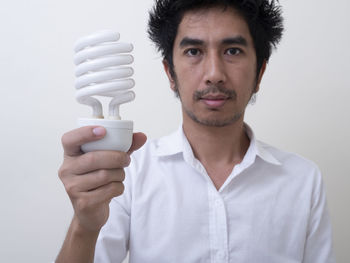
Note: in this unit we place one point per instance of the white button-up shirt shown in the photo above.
(271, 209)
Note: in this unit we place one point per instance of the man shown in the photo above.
(210, 192)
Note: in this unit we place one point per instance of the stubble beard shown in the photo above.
(214, 122)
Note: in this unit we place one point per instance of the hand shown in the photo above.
(93, 179)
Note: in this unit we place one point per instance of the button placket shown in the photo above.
(218, 227)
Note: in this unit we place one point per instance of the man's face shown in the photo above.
(215, 66)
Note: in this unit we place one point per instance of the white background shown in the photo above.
(303, 106)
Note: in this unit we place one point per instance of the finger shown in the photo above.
(72, 140)
(97, 160)
(93, 180)
(103, 194)
(138, 140)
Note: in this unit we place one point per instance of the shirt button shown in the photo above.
(217, 202)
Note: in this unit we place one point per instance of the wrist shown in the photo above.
(79, 245)
(81, 231)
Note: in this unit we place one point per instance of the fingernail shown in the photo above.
(99, 131)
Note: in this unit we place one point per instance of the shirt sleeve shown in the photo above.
(318, 246)
(113, 241)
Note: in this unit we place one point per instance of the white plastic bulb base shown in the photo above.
(118, 136)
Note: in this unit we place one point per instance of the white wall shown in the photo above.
(303, 106)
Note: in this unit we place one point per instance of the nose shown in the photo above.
(214, 70)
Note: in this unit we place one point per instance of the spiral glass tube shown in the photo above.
(101, 71)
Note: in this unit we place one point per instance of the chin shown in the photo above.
(216, 122)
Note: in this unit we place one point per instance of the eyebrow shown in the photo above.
(237, 40)
(186, 41)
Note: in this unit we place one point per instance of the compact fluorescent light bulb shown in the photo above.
(101, 71)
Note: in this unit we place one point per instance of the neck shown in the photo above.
(217, 146)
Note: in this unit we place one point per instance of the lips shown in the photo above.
(214, 101)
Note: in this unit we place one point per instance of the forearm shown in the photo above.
(79, 245)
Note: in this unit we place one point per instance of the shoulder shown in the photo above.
(298, 175)
(155, 149)
(292, 163)
(147, 159)
(147, 152)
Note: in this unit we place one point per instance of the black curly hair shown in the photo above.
(263, 17)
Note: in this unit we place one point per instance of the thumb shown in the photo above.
(138, 140)
(72, 140)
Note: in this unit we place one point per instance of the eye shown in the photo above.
(192, 52)
(233, 51)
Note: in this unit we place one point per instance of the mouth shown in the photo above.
(214, 100)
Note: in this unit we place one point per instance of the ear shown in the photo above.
(261, 74)
(167, 71)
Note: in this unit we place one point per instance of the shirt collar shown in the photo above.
(257, 148)
(177, 143)
(171, 144)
